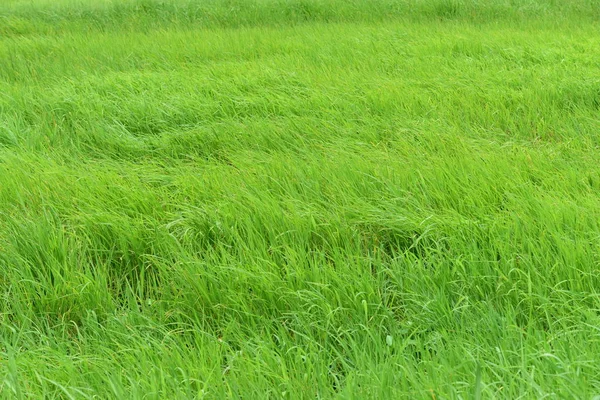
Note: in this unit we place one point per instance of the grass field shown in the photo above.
(303, 199)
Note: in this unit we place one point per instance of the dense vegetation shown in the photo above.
(299, 199)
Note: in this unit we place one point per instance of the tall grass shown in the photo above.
(304, 199)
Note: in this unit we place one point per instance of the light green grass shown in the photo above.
(299, 199)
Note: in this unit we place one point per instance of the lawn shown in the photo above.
(299, 199)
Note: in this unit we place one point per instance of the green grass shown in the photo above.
(302, 199)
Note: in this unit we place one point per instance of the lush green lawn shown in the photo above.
(299, 199)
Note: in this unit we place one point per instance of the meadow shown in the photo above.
(299, 199)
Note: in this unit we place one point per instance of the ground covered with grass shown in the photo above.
(300, 199)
